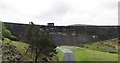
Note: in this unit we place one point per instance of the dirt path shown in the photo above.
(68, 55)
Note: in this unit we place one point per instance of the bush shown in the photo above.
(7, 33)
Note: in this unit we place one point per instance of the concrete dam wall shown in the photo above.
(69, 35)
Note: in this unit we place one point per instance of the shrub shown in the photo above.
(7, 33)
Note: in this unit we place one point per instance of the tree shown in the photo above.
(40, 42)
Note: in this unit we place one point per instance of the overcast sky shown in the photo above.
(60, 12)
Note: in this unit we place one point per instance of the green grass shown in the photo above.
(30, 55)
(83, 54)
(104, 46)
(60, 55)
(21, 47)
(6, 40)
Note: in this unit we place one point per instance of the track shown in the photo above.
(68, 55)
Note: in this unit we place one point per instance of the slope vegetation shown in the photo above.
(110, 46)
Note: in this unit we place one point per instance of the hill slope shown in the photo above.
(16, 51)
(110, 46)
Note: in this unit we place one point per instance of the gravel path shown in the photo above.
(68, 55)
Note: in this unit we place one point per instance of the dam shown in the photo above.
(73, 35)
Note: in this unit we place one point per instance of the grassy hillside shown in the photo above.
(15, 50)
(12, 50)
(110, 46)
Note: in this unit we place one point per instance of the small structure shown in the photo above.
(50, 24)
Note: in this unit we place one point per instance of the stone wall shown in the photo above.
(69, 35)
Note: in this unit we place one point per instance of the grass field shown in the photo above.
(110, 45)
(84, 54)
